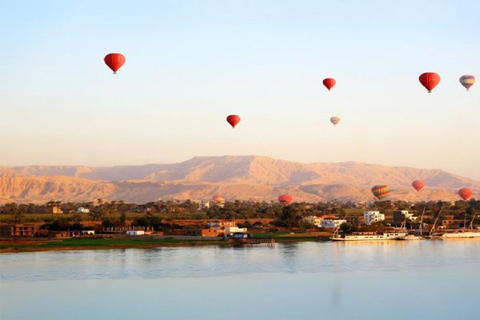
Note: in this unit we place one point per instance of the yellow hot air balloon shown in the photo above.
(467, 81)
(335, 120)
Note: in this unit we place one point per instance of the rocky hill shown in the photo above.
(235, 177)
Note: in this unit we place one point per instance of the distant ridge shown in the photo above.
(235, 177)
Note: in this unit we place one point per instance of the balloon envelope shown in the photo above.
(218, 198)
(285, 199)
(233, 120)
(465, 193)
(467, 81)
(380, 191)
(418, 185)
(329, 83)
(114, 61)
(335, 120)
(429, 80)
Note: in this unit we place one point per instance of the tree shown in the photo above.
(290, 217)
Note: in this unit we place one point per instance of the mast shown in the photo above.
(421, 220)
(471, 222)
(436, 219)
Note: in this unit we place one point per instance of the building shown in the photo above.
(18, 230)
(373, 216)
(60, 234)
(332, 224)
(220, 224)
(316, 221)
(135, 233)
(402, 215)
(231, 230)
(83, 210)
(54, 209)
(204, 233)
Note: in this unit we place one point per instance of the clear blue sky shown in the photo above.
(192, 63)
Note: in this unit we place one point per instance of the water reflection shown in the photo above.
(307, 280)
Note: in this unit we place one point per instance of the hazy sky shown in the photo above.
(192, 63)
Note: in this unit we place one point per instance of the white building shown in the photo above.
(332, 224)
(316, 221)
(135, 233)
(373, 216)
(83, 210)
(231, 230)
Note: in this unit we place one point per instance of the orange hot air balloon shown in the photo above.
(218, 198)
(380, 191)
(429, 80)
(329, 83)
(114, 61)
(465, 193)
(233, 120)
(418, 185)
(285, 199)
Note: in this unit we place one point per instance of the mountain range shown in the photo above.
(256, 178)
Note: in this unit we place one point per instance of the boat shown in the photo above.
(461, 234)
(369, 236)
(412, 237)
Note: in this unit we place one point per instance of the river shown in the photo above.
(306, 280)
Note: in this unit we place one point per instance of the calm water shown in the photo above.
(389, 280)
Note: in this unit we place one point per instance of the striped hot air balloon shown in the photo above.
(335, 120)
(467, 81)
(218, 198)
(380, 191)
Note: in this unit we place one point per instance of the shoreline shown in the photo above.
(38, 245)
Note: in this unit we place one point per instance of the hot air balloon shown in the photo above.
(233, 120)
(465, 193)
(418, 185)
(114, 61)
(467, 81)
(429, 80)
(380, 191)
(218, 198)
(335, 120)
(285, 199)
(329, 83)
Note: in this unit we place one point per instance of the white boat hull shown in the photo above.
(379, 237)
(458, 235)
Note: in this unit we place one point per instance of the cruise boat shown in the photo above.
(461, 234)
(369, 236)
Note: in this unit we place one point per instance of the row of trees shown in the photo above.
(286, 215)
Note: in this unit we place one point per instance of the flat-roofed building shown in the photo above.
(373, 216)
(19, 230)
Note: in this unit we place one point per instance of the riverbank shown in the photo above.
(45, 244)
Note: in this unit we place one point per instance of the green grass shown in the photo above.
(106, 243)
